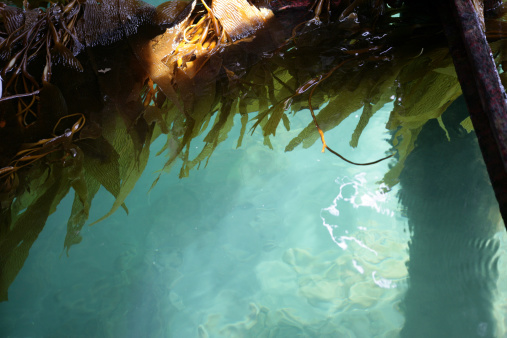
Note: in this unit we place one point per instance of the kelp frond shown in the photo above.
(87, 86)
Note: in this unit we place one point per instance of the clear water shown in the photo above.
(261, 243)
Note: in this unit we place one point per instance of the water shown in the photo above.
(456, 235)
(263, 243)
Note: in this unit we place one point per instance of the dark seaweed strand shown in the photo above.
(324, 145)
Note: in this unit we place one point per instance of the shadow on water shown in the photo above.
(453, 216)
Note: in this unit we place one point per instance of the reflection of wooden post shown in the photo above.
(483, 91)
(452, 217)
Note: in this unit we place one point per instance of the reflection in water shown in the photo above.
(239, 250)
(453, 217)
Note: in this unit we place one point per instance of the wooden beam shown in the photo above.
(482, 89)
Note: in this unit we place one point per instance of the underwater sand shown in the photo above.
(260, 243)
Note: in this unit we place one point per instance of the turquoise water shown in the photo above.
(263, 243)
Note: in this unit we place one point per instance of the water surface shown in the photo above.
(260, 243)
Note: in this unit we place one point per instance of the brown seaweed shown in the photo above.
(87, 86)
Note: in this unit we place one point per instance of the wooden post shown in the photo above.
(482, 89)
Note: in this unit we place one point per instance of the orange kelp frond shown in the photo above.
(239, 18)
(211, 27)
(195, 33)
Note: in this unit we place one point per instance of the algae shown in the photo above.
(87, 86)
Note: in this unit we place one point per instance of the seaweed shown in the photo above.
(88, 86)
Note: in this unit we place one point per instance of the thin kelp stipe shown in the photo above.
(321, 133)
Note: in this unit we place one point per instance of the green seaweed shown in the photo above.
(186, 69)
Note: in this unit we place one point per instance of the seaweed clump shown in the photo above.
(87, 86)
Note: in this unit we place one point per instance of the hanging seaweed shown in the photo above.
(86, 87)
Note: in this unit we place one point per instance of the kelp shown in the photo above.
(87, 87)
(69, 114)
